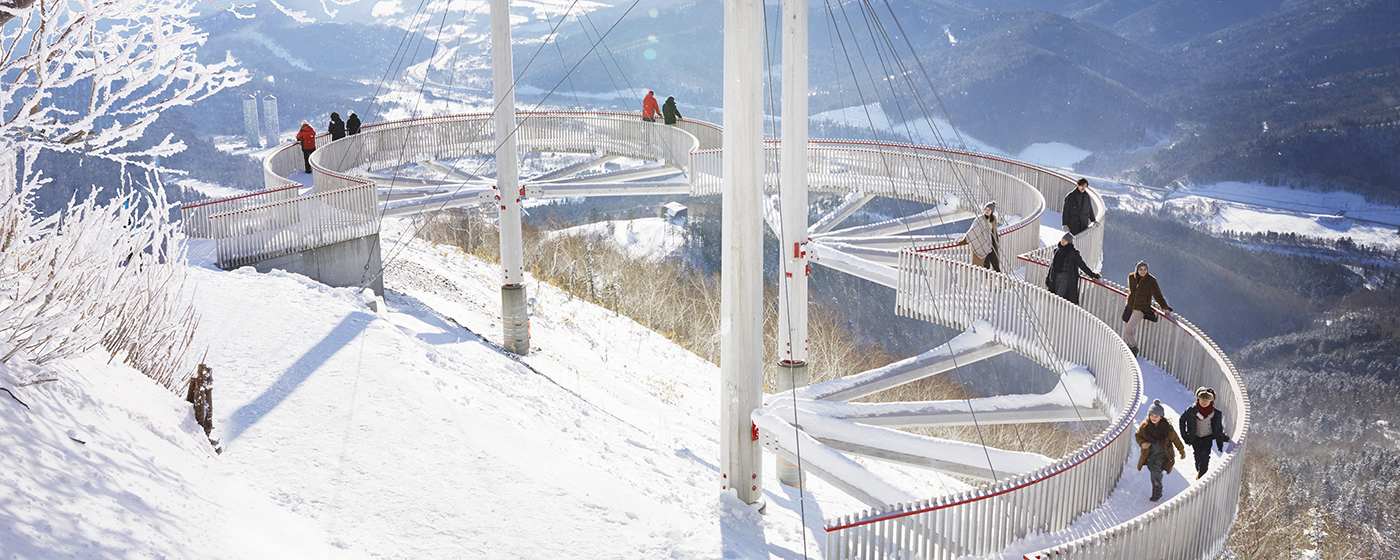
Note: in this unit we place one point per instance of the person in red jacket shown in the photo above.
(307, 138)
(649, 109)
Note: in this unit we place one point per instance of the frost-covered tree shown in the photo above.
(89, 76)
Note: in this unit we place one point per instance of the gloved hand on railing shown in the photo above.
(1098, 276)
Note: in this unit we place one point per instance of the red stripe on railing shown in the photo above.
(241, 196)
(1066, 467)
(886, 517)
(1112, 289)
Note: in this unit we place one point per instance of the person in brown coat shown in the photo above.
(1154, 436)
(1142, 289)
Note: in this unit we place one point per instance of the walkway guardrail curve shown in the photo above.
(932, 279)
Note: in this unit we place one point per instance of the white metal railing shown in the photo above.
(253, 234)
(1195, 523)
(985, 520)
(195, 216)
(433, 138)
(257, 226)
(934, 283)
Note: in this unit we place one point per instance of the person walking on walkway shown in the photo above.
(1078, 212)
(307, 138)
(352, 124)
(1202, 425)
(983, 236)
(649, 109)
(670, 111)
(1154, 436)
(1063, 278)
(1142, 289)
(336, 127)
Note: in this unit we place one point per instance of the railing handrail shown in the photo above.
(275, 204)
(1229, 466)
(209, 201)
(1018, 174)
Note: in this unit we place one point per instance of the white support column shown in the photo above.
(792, 287)
(514, 311)
(741, 255)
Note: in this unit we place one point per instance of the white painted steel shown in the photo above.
(507, 158)
(279, 228)
(792, 247)
(1195, 523)
(793, 208)
(194, 217)
(953, 413)
(928, 364)
(933, 282)
(853, 201)
(957, 294)
(741, 253)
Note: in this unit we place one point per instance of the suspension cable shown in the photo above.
(783, 271)
(400, 245)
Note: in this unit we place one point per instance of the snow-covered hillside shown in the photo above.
(354, 433)
(653, 238)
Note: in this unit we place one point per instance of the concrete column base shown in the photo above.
(791, 376)
(515, 320)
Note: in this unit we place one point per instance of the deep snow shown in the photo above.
(401, 430)
(354, 433)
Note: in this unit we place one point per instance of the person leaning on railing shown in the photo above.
(1063, 278)
(1142, 289)
(352, 124)
(670, 111)
(649, 109)
(982, 235)
(1154, 435)
(1202, 425)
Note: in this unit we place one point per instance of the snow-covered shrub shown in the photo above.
(89, 77)
(96, 274)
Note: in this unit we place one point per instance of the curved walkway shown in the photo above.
(1062, 509)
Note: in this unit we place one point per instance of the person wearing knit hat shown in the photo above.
(983, 236)
(1142, 289)
(1154, 436)
(1202, 425)
(1063, 278)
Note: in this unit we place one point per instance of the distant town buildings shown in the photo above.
(250, 121)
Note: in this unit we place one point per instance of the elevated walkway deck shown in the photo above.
(1084, 505)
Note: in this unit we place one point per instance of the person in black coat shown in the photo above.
(1078, 212)
(670, 111)
(1202, 425)
(1064, 270)
(336, 127)
(352, 125)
